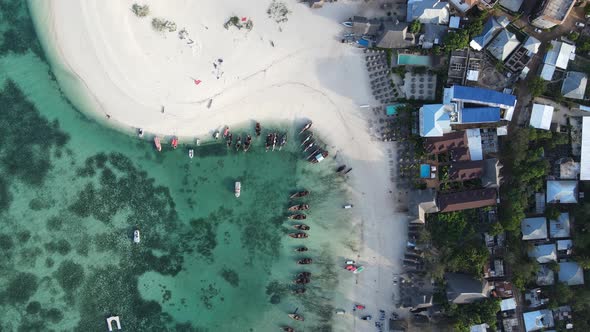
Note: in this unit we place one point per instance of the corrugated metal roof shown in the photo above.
(503, 45)
(574, 85)
(480, 114)
(474, 143)
(571, 273)
(534, 228)
(541, 116)
(482, 96)
(489, 30)
(585, 154)
(565, 192)
(547, 72)
(560, 228)
(435, 120)
(544, 253)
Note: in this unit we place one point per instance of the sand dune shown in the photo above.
(110, 62)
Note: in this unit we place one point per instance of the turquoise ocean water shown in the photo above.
(72, 192)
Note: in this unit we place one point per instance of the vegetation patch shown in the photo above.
(231, 276)
(161, 25)
(69, 275)
(278, 11)
(21, 287)
(140, 10)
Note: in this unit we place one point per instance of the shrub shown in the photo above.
(160, 24)
(140, 10)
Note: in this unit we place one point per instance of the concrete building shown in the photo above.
(490, 28)
(574, 85)
(541, 116)
(428, 11)
(463, 288)
(538, 320)
(435, 120)
(534, 228)
(551, 13)
(557, 57)
(503, 45)
(395, 35)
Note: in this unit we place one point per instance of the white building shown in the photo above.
(585, 155)
(541, 116)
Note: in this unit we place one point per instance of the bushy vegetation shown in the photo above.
(140, 10)
(160, 25)
(415, 26)
(235, 21)
(278, 11)
(537, 86)
(464, 316)
(459, 39)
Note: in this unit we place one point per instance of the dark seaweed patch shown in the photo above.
(21, 36)
(23, 236)
(33, 308)
(5, 196)
(231, 276)
(62, 247)
(69, 275)
(6, 242)
(21, 288)
(53, 315)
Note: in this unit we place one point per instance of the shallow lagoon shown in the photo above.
(72, 191)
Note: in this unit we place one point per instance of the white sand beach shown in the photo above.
(114, 66)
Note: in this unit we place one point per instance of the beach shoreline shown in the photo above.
(120, 72)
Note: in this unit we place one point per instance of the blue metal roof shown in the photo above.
(480, 114)
(482, 96)
(489, 28)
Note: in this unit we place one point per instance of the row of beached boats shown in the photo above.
(308, 144)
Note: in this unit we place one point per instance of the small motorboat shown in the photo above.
(238, 143)
(298, 194)
(312, 155)
(237, 188)
(297, 317)
(301, 227)
(340, 311)
(140, 132)
(257, 129)
(174, 142)
(301, 249)
(348, 206)
(350, 268)
(359, 307)
(347, 24)
(216, 135)
(299, 207)
(274, 141)
(306, 127)
(299, 235)
(157, 143)
(304, 275)
(340, 169)
(136, 236)
(229, 139)
(368, 317)
(268, 142)
(248, 143)
(226, 132)
(299, 216)
(309, 137)
(304, 261)
(191, 153)
(350, 262)
(301, 281)
(299, 291)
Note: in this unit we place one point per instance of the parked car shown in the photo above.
(580, 24)
(537, 30)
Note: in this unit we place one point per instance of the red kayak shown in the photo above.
(175, 142)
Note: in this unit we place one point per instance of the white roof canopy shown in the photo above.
(541, 116)
(585, 156)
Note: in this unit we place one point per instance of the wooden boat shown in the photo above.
(299, 207)
(257, 129)
(268, 142)
(287, 329)
(304, 275)
(248, 143)
(301, 227)
(191, 153)
(301, 249)
(297, 317)
(309, 137)
(226, 132)
(301, 281)
(216, 134)
(229, 139)
(304, 261)
(157, 143)
(299, 291)
(300, 235)
(312, 155)
(274, 140)
(299, 216)
(309, 146)
(283, 141)
(300, 194)
(347, 24)
(238, 143)
(140, 132)
(321, 156)
(306, 127)
(174, 143)
(340, 169)
(237, 188)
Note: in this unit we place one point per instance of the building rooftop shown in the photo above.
(463, 288)
(508, 304)
(395, 35)
(469, 199)
(474, 143)
(559, 55)
(446, 142)
(562, 191)
(503, 45)
(557, 9)
(428, 11)
(534, 228)
(435, 120)
(532, 45)
(511, 5)
(364, 26)
(502, 289)
(454, 22)
(538, 320)
(545, 276)
(482, 96)
(585, 154)
(560, 228)
(480, 114)
(574, 85)
(541, 116)
(544, 253)
(563, 245)
(467, 170)
(571, 273)
(490, 28)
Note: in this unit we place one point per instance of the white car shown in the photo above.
(580, 24)
(537, 30)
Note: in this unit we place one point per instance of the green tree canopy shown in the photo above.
(537, 86)
(415, 26)
(457, 40)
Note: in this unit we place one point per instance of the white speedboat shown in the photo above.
(198, 142)
(347, 24)
(348, 206)
(191, 153)
(136, 237)
(140, 132)
(238, 188)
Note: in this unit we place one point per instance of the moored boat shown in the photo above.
(140, 132)
(319, 157)
(229, 139)
(191, 153)
(347, 24)
(348, 171)
(304, 261)
(298, 194)
(174, 142)
(297, 317)
(287, 329)
(136, 236)
(301, 281)
(309, 137)
(283, 141)
(268, 142)
(301, 249)
(274, 141)
(226, 132)
(340, 169)
(257, 129)
(237, 188)
(299, 291)
(300, 235)
(304, 275)
(301, 227)
(248, 143)
(306, 127)
(157, 143)
(216, 134)
(299, 207)
(238, 143)
(299, 216)
(309, 146)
